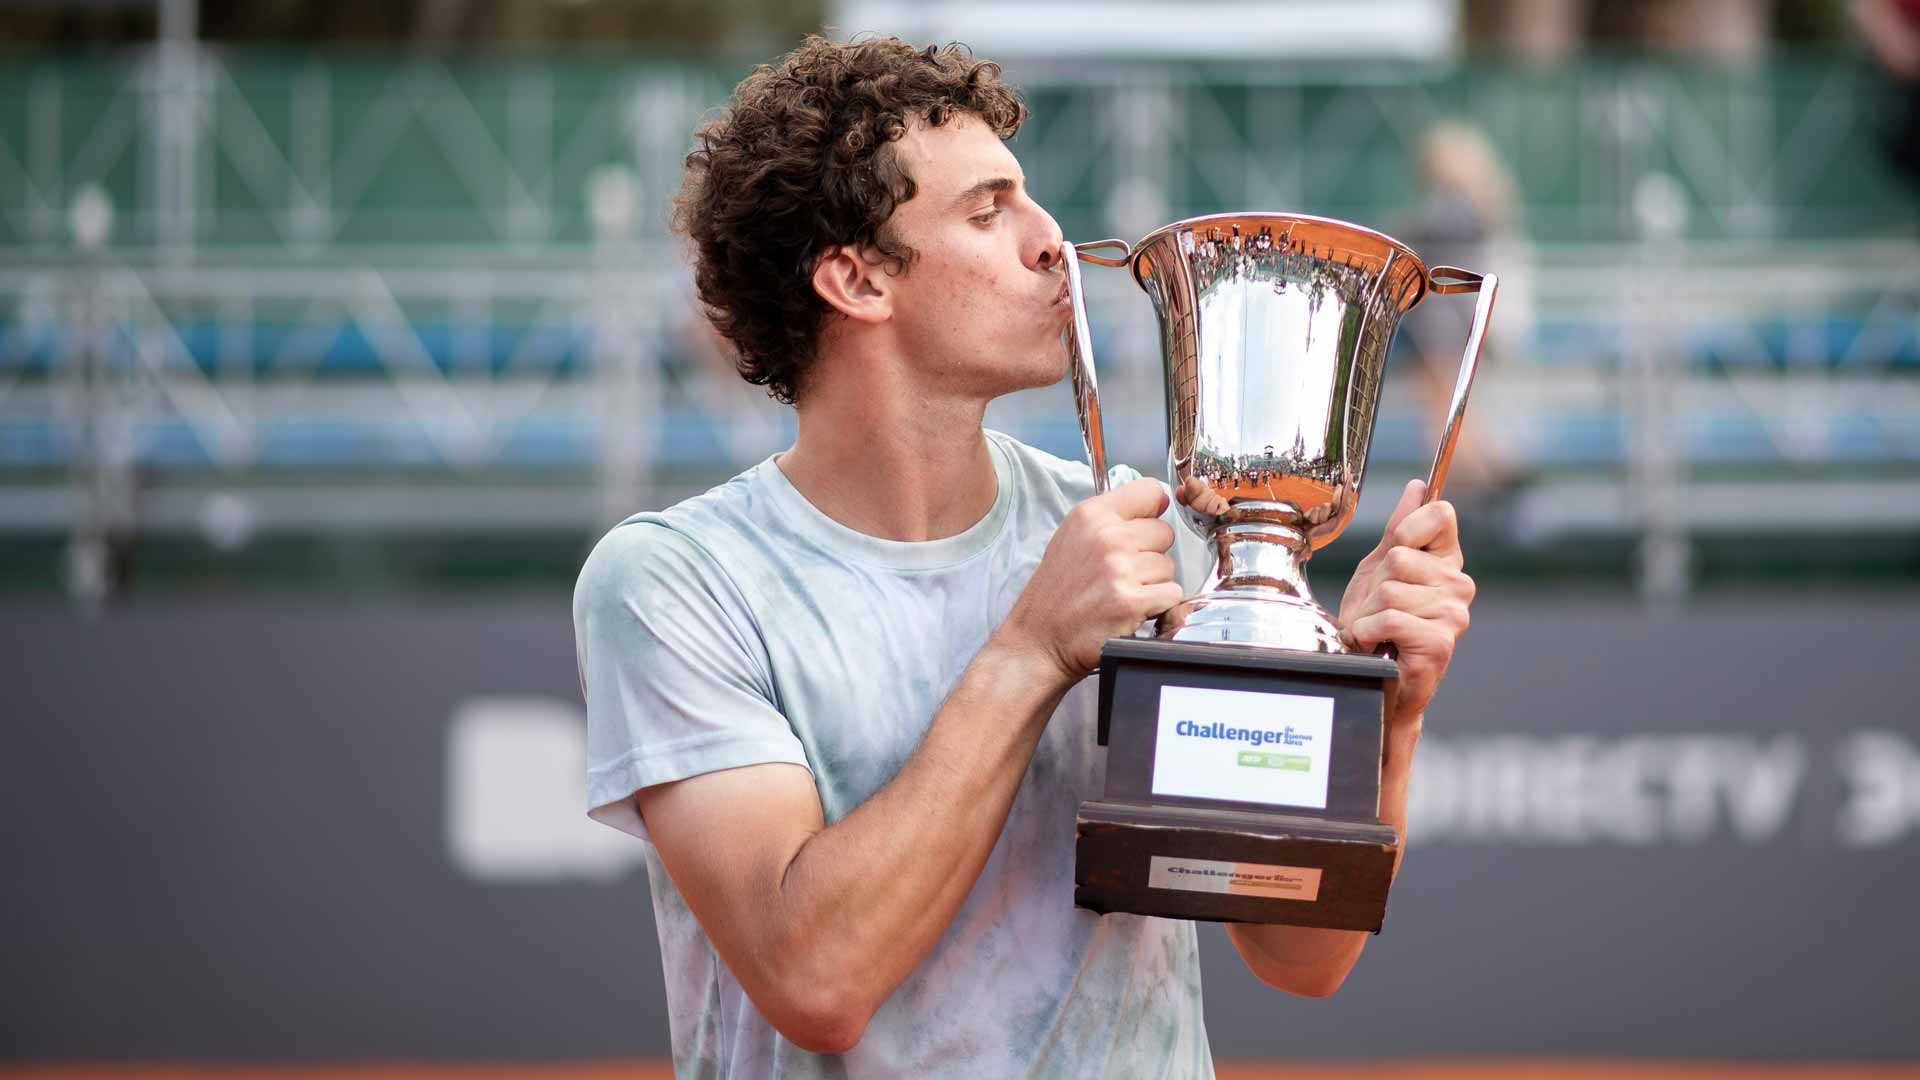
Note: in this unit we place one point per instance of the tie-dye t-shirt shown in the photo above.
(744, 626)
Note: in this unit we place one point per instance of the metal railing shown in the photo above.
(243, 293)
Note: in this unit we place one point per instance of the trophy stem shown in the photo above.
(1261, 556)
(1257, 595)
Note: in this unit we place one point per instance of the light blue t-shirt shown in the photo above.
(744, 626)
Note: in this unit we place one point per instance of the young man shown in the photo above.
(844, 695)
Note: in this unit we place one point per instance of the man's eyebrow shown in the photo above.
(995, 185)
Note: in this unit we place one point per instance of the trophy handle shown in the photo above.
(1079, 342)
(1085, 250)
(1445, 280)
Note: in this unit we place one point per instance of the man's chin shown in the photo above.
(1053, 363)
(1037, 368)
(1041, 374)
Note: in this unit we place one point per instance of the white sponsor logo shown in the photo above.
(1647, 789)
(1883, 778)
(1580, 789)
(1243, 746)
(516, 795)
(515, 771)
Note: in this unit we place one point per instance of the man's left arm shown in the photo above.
(1409, 590)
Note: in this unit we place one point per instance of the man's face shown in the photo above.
(981, 309)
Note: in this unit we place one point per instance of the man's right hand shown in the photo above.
(1105, 571)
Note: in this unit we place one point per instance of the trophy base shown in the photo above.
(1217, 865)
(1243, 785)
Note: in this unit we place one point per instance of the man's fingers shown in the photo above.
(1142, 498)
(1422, 601)
(1418, 567)
(1411, 497)
(1408, 632)
(1190, 488)
(1370, 630)
(1162, 596)
(1146, 534)
(1433, 527)
(1443, 609)
(1153, 568)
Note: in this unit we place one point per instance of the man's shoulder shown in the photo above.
(639, 558)
(663, 548)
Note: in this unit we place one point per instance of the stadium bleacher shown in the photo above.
(399, 267)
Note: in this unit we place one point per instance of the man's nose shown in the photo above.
(1047, 253)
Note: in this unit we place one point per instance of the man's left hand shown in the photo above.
(1411, 591)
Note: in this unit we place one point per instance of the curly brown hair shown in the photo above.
(801, 161)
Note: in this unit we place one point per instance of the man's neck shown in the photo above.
(890, 463)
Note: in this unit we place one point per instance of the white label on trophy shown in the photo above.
(1234, 878)
(1244, 746)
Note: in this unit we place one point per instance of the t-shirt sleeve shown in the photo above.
(675, 682)
(1193, 557)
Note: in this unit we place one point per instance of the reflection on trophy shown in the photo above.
(1244, 740)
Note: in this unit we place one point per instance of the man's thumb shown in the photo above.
(1411, 499)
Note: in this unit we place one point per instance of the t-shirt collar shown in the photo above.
(806, 519)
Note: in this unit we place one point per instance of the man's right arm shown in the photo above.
(821, 922)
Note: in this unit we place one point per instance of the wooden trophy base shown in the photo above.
(1184, 862)
(1263, 804)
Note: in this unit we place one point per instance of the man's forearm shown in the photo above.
(1314, 962)
(866, 899)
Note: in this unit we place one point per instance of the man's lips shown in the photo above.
(1064, 292)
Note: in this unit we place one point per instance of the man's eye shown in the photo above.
(986, 218)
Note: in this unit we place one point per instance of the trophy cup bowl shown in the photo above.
(1274, 329)
(1275, 334)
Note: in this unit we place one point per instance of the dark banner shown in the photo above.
(287, 829)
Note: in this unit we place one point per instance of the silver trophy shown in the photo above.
(1274, 329)
(1244, 739)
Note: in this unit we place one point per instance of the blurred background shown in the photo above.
(332, 335)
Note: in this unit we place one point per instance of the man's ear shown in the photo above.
(854, 284)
